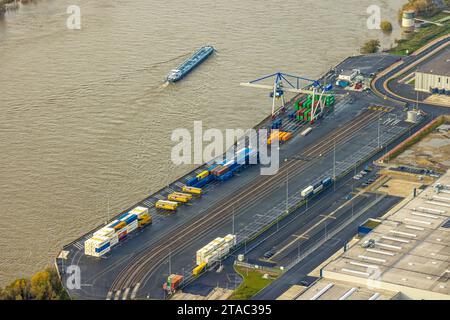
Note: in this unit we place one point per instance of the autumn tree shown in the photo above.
(370, 46)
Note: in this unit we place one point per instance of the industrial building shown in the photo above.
(434, 75)
(406, 257)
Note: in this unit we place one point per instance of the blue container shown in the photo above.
(291, 114)
(203, 182)
(192, 181)
(131, 219)
(122, 216)
(327, 182)
(112, 225)
(276, 124)
(212, 167)
(434, 90)
(103, 247)
(236, 167)
(226, 176)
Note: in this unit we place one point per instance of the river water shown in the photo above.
(85, 121)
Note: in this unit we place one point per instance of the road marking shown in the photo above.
(306, 237)
(327, 216)
(311, 228)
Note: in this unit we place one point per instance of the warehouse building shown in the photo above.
(407, 257)
(434, 76)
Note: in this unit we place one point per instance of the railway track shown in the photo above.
(145, 262)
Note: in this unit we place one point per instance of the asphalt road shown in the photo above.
(300, 271)
(404, 93)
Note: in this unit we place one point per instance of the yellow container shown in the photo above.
(203, 174)
(186, 195)
(176, 197)
(166, 205)
(120, 225)
(192, 190)
(198, 269)
(287, 136)
(144, 220)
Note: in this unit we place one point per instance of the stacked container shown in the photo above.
(143, 216)
(97, 246)
(215, 250)
(105, 238)
(276, 124)
(279, 135)
(173, 282)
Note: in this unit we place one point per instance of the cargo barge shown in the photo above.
(190, 64)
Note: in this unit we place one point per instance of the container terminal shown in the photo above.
(220, 209)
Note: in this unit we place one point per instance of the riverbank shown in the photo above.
(424, 34)
(418, 39)
(11, 5)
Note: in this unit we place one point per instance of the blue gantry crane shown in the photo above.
(283, 82)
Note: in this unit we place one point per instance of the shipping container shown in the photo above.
(120, 225)
(307, 191)
(225, 176)
(97, 246)
(122, 234)
(105, 232)
(318, 188)
(221, 171)
(327, 182)
(203, 182)
(202, 175)
(191, 190)
(198, 269)
(132, 226)
(306, 131)
(131, 218)
(173, 281)
(192, 181)
(144, 220)
(166, 205)
(177, 197)
(187, 195)
(139, 211)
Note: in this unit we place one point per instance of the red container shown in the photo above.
(122, 235)
(222, 171)
(175, 281)
(214, 171)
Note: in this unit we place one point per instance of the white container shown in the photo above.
(139, 211)
(114, 240)
(104, 232)
(230, 238)
(132, 226)
(307, 191)
(305, 132)
(318, 189)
